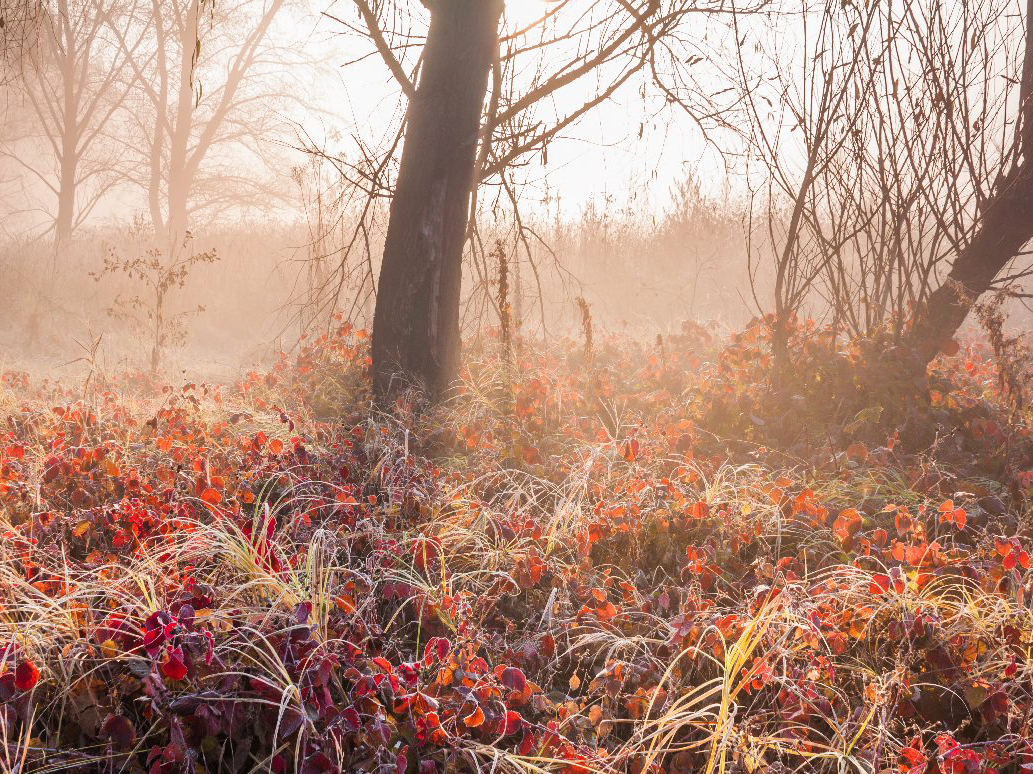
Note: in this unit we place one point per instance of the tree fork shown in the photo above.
(1007, 226)
(416, 338)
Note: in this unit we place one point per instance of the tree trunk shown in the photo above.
(416, 340)
(178, 192)
(65, 220)
(1006, 227)
(67, 126)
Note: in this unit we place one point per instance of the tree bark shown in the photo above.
(68, 61)
(1006, 227)
(416, 340)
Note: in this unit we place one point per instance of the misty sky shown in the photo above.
(626, 153)
(602, 156)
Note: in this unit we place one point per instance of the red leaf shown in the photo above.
(119, 730)
(512, 723)
(26, 676)
(528, 743)
(153, 639)
(436, 646)
(547, 645)
(514, 679)
(629, 451)
(317, 763)
(174, 667)
(880, 584)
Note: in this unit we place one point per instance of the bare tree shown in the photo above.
(17, 34)
(917, 193)
(72, 91)
(207, 83)
(19, 20)
(461, 135)
(1002, 222)
(800, 120)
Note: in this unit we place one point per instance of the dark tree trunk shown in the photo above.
(1007, 226)
(416, 323)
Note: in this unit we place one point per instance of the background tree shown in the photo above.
(207, 89)
(19, 21)
(799, 121)
(70, 94)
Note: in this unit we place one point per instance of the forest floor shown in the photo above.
(633, 558)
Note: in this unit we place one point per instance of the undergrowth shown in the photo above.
(603, 557)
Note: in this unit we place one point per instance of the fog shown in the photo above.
(242, 156)
(512, 386)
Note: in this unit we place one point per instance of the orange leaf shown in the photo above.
(606, 612)
(475, 718)
(898, 551)
(629, 451)
(857, 451)
(859, 622)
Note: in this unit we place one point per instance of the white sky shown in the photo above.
(602, 156)
(601, 159)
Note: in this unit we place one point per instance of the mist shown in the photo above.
(516, 386)
(242, 128)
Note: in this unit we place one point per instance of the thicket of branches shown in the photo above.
(891, 138)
